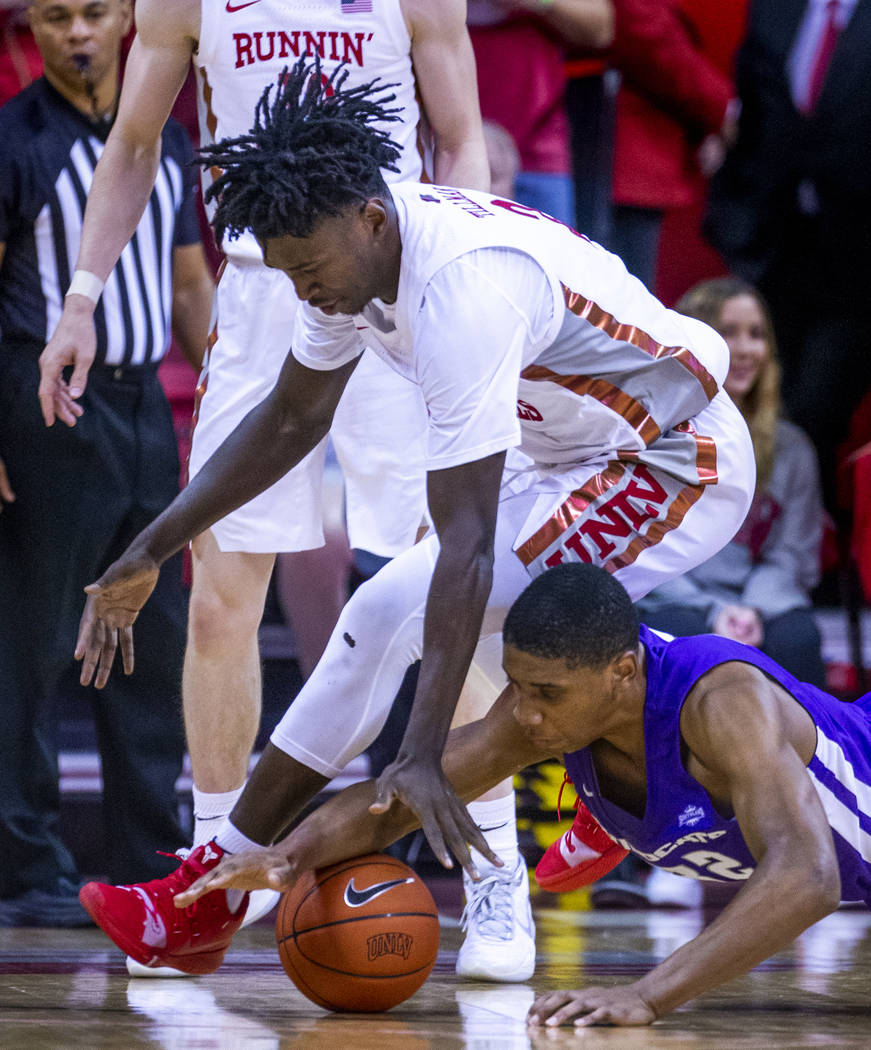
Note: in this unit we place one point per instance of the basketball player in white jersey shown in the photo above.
(420, 48)
(571, 417)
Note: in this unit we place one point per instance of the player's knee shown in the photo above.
(217, 618)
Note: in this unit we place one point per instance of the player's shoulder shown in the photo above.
(161, 23)
(423, 16)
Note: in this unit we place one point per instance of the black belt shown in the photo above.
(123, 373)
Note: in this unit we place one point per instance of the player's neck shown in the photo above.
(392, 255)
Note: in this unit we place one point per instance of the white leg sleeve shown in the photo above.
(344, 704)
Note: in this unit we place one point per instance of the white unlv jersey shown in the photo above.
(245, 44)
(522, 332)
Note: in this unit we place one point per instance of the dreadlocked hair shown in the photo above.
(311, 152)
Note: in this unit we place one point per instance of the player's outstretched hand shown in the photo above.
(74, 342)
(266, 869)
(111, 608)
(423, 787)
(621, 1005)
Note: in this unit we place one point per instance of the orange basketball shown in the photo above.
(361, 935)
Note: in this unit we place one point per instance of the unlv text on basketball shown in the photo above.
(389, 944)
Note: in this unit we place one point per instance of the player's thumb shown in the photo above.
(383, 799)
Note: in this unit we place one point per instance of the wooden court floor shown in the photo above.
(69, 989)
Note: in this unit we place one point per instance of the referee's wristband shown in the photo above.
(87, 284)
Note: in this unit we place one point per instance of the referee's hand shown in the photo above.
(74, 343)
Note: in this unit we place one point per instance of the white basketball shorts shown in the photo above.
(379, 431)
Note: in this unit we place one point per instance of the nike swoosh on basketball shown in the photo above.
(231, 7)
(355, 898)
(154, 930)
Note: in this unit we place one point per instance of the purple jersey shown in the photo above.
(681, 831)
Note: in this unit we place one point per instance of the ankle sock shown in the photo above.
(497, 819)
(210, 809)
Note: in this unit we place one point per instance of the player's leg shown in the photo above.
(647, 526)
(500, 932)
(233, 560)
(221, 686)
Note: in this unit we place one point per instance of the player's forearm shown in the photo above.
(583, 23)
(462, 164)
(765, 917)
(191, 311)
(262, 449)
(123, 181)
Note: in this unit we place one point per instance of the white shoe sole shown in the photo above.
(136, 969)
(488, 971)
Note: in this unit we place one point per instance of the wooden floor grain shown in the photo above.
(70, 989)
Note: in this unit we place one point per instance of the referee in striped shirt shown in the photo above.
(73, 496)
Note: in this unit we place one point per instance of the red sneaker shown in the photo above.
(145, 923)
(583, 854)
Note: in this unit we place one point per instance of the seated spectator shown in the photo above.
(756, 590)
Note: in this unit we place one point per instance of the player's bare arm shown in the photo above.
(444, 68)
(477, 757)
(584, 23)
(462, 502)
(193, 289)
(749, 744)
(269, 441)
(123, 180)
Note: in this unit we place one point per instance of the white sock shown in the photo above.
(231, 840)
(497, 819)
(210, 808)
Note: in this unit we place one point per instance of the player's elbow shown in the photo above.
(817, 891)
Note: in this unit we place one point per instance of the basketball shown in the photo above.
(359, 936)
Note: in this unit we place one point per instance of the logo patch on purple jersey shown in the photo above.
(690, 816)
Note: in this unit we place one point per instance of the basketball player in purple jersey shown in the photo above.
(699, 754)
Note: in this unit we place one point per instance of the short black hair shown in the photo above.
(574, 612)
(310, 153)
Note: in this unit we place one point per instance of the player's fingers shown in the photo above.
(472, 834)
(433, 832)
(91, 643)
(602, 1015)
(544, 1005)
(127, 656)
(203, 884)
(107, 658)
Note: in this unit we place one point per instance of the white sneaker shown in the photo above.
(500, 933)
(260, 903)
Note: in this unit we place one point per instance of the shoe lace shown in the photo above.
(566, 780)
(490, 904)
(190, 870)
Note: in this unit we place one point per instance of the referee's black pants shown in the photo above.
(82, 494)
